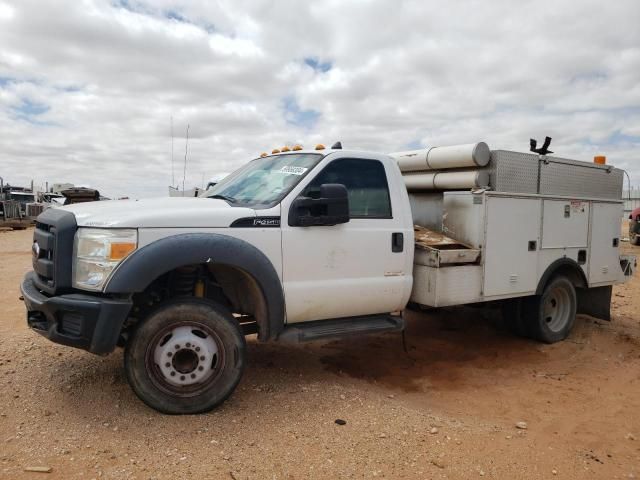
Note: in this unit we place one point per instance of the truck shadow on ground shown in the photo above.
(467, 348)
(441, 348)
(459, 349)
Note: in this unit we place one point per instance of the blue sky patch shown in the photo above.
(178, 17)
(295, 116)
(594, 76)
(30, 111)
(70, 89)
(134, 6)
(317, 65)
(173, 15)
(618, 138)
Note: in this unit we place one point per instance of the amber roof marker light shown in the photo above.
(319, 146)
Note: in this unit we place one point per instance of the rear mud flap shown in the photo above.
(595, 302)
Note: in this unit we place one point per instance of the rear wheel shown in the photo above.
(550, 316)
(186, 357)
(635, 239)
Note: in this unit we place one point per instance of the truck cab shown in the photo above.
(321, 238)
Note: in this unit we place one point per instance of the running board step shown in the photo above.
(325, 329)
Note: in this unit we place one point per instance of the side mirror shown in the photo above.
(330, 208)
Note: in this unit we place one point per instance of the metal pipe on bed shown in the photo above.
(472, 155)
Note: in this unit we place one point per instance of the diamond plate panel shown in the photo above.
(560, 176)
(517, 172)
(513, 172)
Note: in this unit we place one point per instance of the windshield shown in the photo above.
(265, 181)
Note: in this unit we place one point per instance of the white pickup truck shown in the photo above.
(310, 244)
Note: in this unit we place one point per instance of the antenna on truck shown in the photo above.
(173, 178)
(544, 149)
(184, 171)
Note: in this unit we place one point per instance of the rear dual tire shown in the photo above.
(549, 317)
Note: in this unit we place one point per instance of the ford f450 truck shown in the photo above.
(313, 244)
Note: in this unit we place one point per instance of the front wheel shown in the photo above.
(187, 357)
(550, 316)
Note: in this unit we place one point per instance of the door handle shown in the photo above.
(397, 242)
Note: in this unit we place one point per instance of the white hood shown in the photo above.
(174, 212)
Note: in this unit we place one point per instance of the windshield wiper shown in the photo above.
(224, 197)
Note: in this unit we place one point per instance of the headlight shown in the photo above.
(96, 252)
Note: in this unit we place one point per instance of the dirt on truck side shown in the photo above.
(466, 400)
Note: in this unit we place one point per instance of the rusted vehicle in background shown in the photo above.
(634, 226)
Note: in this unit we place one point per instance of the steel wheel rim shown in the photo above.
(185, 358)
(557, 309)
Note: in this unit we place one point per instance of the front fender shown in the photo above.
(146, 264)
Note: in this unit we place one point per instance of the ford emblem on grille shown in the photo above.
(35, 248)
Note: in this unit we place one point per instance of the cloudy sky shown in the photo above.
(88, 88)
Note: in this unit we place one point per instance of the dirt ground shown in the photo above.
(448, 409)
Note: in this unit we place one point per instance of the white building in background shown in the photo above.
(58, 187)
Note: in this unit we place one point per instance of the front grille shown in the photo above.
(43, 252)
(53, 249)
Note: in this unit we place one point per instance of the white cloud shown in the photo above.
(87, 88)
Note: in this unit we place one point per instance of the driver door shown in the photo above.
(348, 269)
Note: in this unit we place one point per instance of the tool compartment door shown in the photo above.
(512, 239)
(565, 223)
(604, 260)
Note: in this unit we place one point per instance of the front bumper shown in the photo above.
(88, 322)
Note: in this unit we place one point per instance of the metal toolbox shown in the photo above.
(517, 172)
(434, 249)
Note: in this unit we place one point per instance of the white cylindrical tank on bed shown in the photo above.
(442, 158)
(419, 180)
(448, 180)
(461, 180)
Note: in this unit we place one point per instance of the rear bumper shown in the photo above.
(88, 322)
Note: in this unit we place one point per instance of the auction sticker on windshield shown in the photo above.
(293, 170)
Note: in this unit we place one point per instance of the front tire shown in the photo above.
(550, 316)
(187, 357)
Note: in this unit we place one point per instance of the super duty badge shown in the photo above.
(258, 222)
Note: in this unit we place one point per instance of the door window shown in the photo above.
(366, 183)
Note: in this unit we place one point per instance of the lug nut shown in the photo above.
(202, 357)
(201, 368)
(177, 347)
(169, 354)
(167, 364)
(193, 375)
(181, 377)
(188, 345)
(173, 374)
(197, 349)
